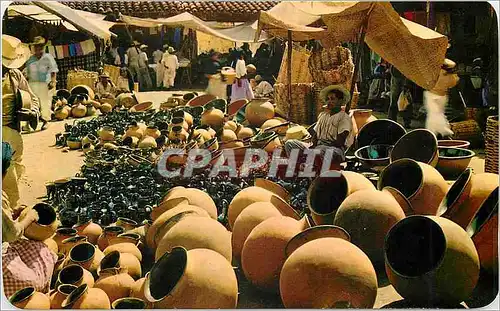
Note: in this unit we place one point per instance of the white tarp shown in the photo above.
(37, 13)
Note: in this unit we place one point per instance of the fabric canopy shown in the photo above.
(240, 33)
(418, 52)
(85, 22)
(37, 13)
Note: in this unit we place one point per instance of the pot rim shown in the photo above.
(30, 292)
(117, 301)
(79, 245)
(464, 143)
(421, 185)
(308, 197)
(470, 154)
(303, 235)
(111, 229)
(73, 231)
(465, 178)
(492, 197)
(71, 266)
(76, 238)
(60, 287)
(127, 221)
(78, 292)
(36, 223)
(357, 153)
(419, 132)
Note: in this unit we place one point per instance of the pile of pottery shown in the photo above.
(78, 103)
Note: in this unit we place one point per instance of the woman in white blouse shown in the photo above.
(241, 87)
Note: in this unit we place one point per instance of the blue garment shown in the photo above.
(177, 37)
(39, 70)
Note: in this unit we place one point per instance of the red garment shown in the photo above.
(66, 50)
(27, 263)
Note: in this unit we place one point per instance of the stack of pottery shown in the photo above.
(114, 279)
(86, 255)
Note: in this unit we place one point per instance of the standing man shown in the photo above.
(398, 82)
(170, 65)
(133, 61)
(157, 57)
(41, 70)
(216, 86)
(144, 78)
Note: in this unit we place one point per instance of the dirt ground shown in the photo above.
(44, 162)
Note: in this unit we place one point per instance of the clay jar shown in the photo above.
(424, 190)
(420, 145)
(107, 234)
(125, 223)
(152, 131)
(138, 289)
(181, 275)
(62, 113)
(106, 133)
(167, 204)
(79, 110)
(325, 194)
(28, 298)
(231, 125)
(367, 215)
(75, 275)
(324, 270)
(179, 122)
(147, 142)
(245, 133)
(227, 136)
(69, 243)
(273, 187)
(124, 247)
(213, 117)
(188, 118)
(263, 253)
(431, 261)
(243, 199)
(58, 295)
(87, 256)
(466, 195)
(259, 111)
(89, 229)
(115, 282)
(195, 197)
(128, 303)
(62, 234)
(87, 298)
(178, 133)
(45, 226)
(196, 232)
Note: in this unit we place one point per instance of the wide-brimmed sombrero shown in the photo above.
(14, 52)
(324, 92)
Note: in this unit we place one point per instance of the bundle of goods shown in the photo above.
(81, 77)
(467, 130)
(491, 161)
(332, 66)
(113, 71)
(300, 71)
(300, 108)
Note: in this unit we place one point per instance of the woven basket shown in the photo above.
(114, 73)
(491, 160)
(332, 66)
(78, 77)
(467, 130)
(300, 108)
(472, 113)
(300, 70)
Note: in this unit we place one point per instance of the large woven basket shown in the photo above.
(81, 77)
(491, 160)
(300, 108)
(467, 130)
(114, 73)
(300, 70)
(332, 66)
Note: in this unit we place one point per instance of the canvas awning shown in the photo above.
(418, 52)
(38, 14)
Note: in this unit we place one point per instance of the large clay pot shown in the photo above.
(141, 230)
(45, 226)
(106, 133)
(195, 197)
(191, 233)
(28, 298)
(273, 187)
(75, 275)
(87, 298)
(166, 205)
(147, 142)
(159, 223)
(69, 243)
(484, 232)
(134, 130)
(115, 282)
(128, 303)
(89, 229)
(107, 234)
(325, 194)
(314, 233)
(401, 199)
(263, 253)
(431, 261)
(52, 245)
(424, 190)
(367, 215)
(63, 234)
(87, 256)
(181, 275)
(419, 145)
(327, 272)
(58, 295)
(124, 247)
(466, 195)
(213, 117)
(243, 199)
(259, 111)
(79, 110)
(138, 290)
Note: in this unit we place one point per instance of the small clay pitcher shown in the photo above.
(58, 295)
(84, 297)
(29, 298)
(87, 256)
(107, 234)
(89, 229)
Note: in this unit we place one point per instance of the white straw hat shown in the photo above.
(14, 52)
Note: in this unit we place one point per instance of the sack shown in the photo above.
(404, 100)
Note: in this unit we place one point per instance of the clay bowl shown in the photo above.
(142, 107)
(374, 157)
(453, 161)
(381, 132)
(453, 144)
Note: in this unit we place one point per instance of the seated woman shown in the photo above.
(333, 130)
(125, 83)
(24, 262)
(263, 88)
(105, 88)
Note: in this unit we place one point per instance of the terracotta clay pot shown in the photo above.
(273, 187)
(107, 234)
(453, 144)
(147, 142)
(178, 133)
(134, 130)
(367, 215)
(52, 245)
(58, 295)
(419, 145)
(79, 111)
(328, 272)
(62, 113)
(141, 229)
(181, 275)
(128, 303)
(89, 229)
(483, 230)
(124, 247)
(245, 133)
(28, 298)
(45, 226)
(159, 223)
(431, 261)
(263, 253)
(125, 223)
(424, 190)
(466, 195)
(138, 289)
(69, 243)
(243, 199)
(401, 199)
(57, 268)
(106, 133)
(168, 205)
(191, 233)
(213, 117)
(325, 194)
(231, 125)
(361, 117)
(131, 264)
(152, 131)
(115, 282)
(195, 197)
(259, 111)
(63, 234)
(75, 275)
(188, 118)
(314, 233)
(227, 136)
(87, 256)
(87, 298)
(453, 161)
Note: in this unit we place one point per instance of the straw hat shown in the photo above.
(143, 46)
(258, 78)
(39, 40)
(171, 49)
(296, 132)
(324, 92)
(14, 52)
(251, 67)
(104, 75)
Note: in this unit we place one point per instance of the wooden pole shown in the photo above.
(289, 66)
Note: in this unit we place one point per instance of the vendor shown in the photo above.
(105, 88)
(170, 65)
(333, 130)
(145, 82)
(262, 87)
(125, 81)
(241, 87)
(24, 262)
(216, 86)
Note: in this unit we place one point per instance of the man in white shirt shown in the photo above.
(263, 88)
(170, 65)
(133, 60)
(105, 88)
(241, 87)
(41, 70)
(145, 82)
(157, 57)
